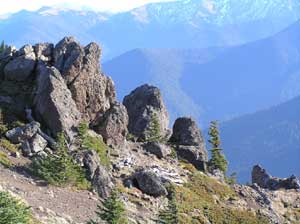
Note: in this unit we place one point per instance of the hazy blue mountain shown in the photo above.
(178, 24)
(270, 137)
(216, 83)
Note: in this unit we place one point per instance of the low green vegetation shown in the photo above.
(113, 211)
(89, 142)
(60, 169)
(218, 160)
(7, 145)
(170, 214)
(13, 211)
(4, 161)
(203, 199)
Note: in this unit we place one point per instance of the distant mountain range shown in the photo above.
(270, 137)
(178, 24)
(216, 83)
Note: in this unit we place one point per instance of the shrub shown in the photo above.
(89, 142)
(4, 161)
(170, 214)
(13, 211)
(60, 169)
(4, 143)
(113, 211)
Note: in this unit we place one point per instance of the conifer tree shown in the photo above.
(170, 214)
(218, 160)
(154, 129)
(2, 46)
(113, 211)
(60, 169)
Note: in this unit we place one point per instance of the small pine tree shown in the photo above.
(3, 46)
(170, 214)
(113, 211)
(154, 129)
(218, 160)
(12, 210)
(60, 169)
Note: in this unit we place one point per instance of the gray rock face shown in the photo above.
(189, 142)
(91, 162)
(44, 51)
(53, 103)
(193, 155)
(24, 133)
(149, 183)
(145, 104)
(5, 57)
(102, 182)
(37, 143)
(113, 125)
(264, 180)
(97, 174)
(92, 92)
(186, 132)
(158, 149)
(21, 67)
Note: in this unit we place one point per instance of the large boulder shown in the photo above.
(92, 91)
(194, 155)
(97, 174)
(159, 149)
(186, 132)
(21, 67)
(149, 183)
(146, 108)
(189, 142)
(102, 182)
(53, 103)
(264, 180)
(113, 125)
(91, 161)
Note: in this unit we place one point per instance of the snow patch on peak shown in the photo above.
(52, 11)
(209, 5)
(141, 14)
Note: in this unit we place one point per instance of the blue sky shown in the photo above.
(10, 6)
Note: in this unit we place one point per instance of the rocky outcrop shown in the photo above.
(53, 103)
(113, 125)
(186, 132)
(264, 180)
(158, 149)
(24, 133)
(30, 137)
(44, 51)
(22, 66)
(189, 142)
(146, 109)
(92, 92)
(63, 84)
(149, 183)
(5, 57)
